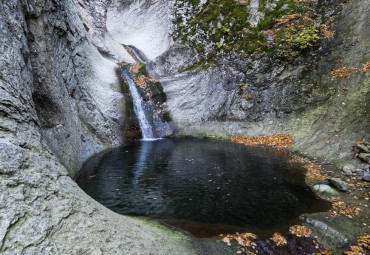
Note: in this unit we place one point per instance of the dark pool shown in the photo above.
(205, 187)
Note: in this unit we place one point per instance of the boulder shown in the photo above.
(364, 157)
(338, 184)
(325, 189)
(349, 170)
(366, 177)
(363, 147)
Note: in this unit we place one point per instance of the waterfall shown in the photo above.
(133, 50)
(146, 128)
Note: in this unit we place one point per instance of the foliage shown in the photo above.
(278, 239)
(314, 171)
(363, 244)
(296, 32)
(327, 33)
(366, 67)
(277, 141)
(141, 71)
(300, 231)
(341, 208)
(223, 25)
(300, 37)
(345, 72)
(243, 239)
(242, 87)
(324, 253)
(249, 96)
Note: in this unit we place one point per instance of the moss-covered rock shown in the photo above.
(285, 27)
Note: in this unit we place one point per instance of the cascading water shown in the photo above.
(148, 98)
(146, 128)
(133, 50)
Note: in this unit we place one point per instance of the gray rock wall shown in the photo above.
(59, 103)
(71, 91)
(300, 97)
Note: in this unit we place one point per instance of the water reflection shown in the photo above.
(219, 185)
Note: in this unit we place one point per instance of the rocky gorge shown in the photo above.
(60, 103)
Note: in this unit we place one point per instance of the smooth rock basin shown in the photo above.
(205, 187)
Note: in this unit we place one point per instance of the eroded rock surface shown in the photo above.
(258, 95)
(60, 103)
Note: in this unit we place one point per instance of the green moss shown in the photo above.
(301, 38)
(201, 64)
(237, 32)
(124, 87)
(167, 117)
(161, 228)
(159, 87)
(197, 65)
(129, 107)
(141, 71)
(242, 87)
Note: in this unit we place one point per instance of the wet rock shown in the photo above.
(364, 157)
(55, 85)
(338, 184)
(328, 232)
(363, 147)
(366, 177)
(325, 189)
(349, 170)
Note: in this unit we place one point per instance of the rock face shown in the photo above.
(262, 96)
(69, 88)
(60, 103)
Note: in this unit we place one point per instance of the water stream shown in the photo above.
(139, 109)
(136, 54)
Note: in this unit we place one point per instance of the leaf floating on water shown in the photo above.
(314, 171)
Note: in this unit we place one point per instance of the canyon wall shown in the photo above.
(262, 95)
(60, 103)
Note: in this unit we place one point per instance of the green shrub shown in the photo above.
(141, 71)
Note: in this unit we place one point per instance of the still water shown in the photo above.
(205, 187)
